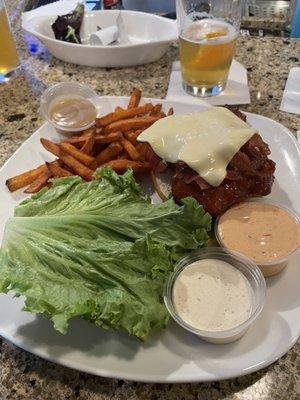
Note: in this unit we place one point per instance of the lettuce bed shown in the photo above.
(99, 250)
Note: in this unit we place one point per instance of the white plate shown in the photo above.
(172, 355)
(150, 34)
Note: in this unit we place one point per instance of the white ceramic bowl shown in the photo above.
(150, 35)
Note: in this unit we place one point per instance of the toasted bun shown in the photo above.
(162, 184)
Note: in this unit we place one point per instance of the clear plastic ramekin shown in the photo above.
(67, 89)
(247, 267)
(270, 268)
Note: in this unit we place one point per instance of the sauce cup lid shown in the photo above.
(67, 89)
(249, 269)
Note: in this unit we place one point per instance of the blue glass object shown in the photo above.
(295, 26)
(90, 4)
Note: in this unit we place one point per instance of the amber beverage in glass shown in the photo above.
(9, 59)
(207, 38)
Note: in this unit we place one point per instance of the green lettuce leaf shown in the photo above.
(99, 250)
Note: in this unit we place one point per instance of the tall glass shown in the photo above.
(9, 59)
(208, 32)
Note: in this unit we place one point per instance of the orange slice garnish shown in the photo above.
(214, 34)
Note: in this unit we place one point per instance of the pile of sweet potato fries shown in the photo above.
(112, 141)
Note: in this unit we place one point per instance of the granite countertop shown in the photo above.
(24, 376)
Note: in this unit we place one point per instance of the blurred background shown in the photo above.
(257, 14)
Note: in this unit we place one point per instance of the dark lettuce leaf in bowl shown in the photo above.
(67, 27)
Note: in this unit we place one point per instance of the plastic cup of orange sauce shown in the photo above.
(266, 232)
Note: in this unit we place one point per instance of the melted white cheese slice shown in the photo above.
(206, 141)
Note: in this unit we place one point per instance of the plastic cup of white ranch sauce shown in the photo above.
(215, 294)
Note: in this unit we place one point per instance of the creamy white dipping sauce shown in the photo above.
(212, 295)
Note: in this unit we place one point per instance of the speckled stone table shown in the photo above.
(24, 376)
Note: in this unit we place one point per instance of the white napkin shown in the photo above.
(58, 8)
(236, 92)
(111, 34)
(104, 36)
(291, 95)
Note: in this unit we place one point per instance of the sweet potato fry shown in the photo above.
(143, 149)
(170, 112)
(156, 110)
(109, 138)
(122, 165)
(57, 171)
(85, 159)
(50, 146)
(132, 136)
(119, 109)
(111, 152)
(40, 181)
(24, 179)
(87, 131)
(98, 147)
(131, 150)
(123, 156)
(130, 124)
(78, 140)
(135, 98)
(124, 114)
(101, 141)
(89, 144)
(76, 166)
(83, 133)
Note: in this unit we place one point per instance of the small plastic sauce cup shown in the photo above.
(270, 268)
(63, 90)
(250, 271)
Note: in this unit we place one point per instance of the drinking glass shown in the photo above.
(208, 31)
(9, 59)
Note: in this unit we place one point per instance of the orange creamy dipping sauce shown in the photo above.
(263, 232)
